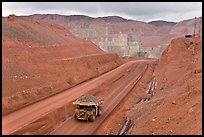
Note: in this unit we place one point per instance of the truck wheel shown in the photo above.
(75, 116)
(99, 111)
(92, 118)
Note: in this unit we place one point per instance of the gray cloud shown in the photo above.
(144, 11)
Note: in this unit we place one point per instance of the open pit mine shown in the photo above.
(69, 75)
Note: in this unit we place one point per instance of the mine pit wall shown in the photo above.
(77, 71)
(121, 43)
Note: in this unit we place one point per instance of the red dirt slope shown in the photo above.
(40, 59)
(39, 33)
(176, 105)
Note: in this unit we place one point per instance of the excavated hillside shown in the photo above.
(122, 36)
(40, 59)
(175, 105)
(114, 34)
(179, 77)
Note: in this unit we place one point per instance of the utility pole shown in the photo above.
(200, 26)
(194, 26)
(129, 50)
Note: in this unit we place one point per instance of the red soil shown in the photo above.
(176, 106)
(40, 59)
(37, 64)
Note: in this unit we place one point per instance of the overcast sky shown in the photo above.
(142, 11)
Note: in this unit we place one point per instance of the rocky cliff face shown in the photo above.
(118, 35)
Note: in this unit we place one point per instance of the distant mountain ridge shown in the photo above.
(160, 23)
(122, 36)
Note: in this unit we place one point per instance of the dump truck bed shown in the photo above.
(87, 100)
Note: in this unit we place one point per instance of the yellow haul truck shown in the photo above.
(88, 107)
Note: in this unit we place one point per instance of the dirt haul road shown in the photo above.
(111, 97)
(18, 119)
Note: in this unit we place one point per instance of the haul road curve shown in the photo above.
(116, 92)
